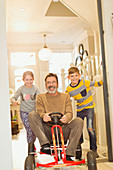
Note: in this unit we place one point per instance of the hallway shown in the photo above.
(19, 147)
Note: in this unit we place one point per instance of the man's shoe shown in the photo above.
(68, 158)
(46, 149)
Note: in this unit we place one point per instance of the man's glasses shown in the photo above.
(52, 82)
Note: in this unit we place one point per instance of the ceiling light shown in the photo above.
(45, 53)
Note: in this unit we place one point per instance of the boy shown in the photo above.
(79, 89)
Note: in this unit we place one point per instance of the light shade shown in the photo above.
(45, 54)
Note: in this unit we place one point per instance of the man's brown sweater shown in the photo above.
(47, 103)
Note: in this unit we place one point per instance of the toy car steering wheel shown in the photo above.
(55, 118)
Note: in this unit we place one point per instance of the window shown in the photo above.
(60, 61)
(18, 82)
(22, 59)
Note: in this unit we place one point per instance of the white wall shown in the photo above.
(108, 30)
(5, 124)
(100, 113)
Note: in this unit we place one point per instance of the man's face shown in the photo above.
(51, 84)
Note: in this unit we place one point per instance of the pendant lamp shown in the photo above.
(45, 53)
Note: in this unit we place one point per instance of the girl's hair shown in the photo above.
(27, 73)
(72, 70)
(51, 75)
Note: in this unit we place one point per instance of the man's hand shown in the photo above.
(46, 117)
(64, 119)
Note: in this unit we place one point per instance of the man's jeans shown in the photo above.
(89, 114)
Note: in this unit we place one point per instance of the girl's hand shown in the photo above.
(15, 103)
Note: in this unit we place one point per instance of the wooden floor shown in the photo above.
(19, 150)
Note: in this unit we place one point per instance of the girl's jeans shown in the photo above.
(30, 135)
(89, 114)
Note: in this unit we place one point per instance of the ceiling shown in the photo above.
(28, 20)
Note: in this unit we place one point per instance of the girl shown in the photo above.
(27, 94)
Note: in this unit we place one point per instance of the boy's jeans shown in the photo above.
(89, 114)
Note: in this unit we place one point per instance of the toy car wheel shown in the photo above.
(29, 163)
(91, 161)
(79, 152)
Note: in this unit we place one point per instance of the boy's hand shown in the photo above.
(64, 119)
(46, 117)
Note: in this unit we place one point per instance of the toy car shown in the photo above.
(58, 155)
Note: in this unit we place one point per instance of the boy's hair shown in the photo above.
(51, 75)
(72, 70)
(27, 73)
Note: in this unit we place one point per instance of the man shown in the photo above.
(53, 101)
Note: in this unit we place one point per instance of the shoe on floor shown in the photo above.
(46, 149)
(68, 158)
